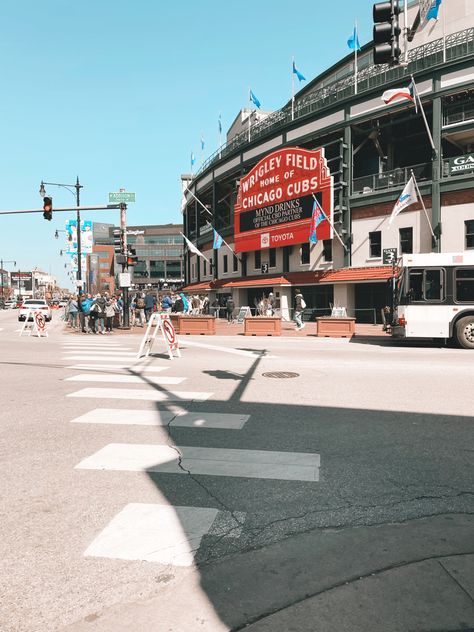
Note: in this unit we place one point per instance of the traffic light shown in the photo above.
(118, 240)
(48, 208)
(132, 257)
(386, 32)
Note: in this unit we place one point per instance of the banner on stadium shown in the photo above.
(275, 200)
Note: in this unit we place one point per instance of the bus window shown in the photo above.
(415, 285)
(433, 285)
(465, 285)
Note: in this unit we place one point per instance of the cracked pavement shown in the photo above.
(394, 499)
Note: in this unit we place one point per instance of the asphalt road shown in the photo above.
(128, 486)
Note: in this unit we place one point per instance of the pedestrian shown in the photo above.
(230, 306)
(72, 311)
(140, 308)
(205, 305)
(110, 314)
(186, 305)
(195, 305)
(166, 303)
(84, 305)
(271, 304)
(150, 302)
(300, 304)
(214, 309)
(178, 305)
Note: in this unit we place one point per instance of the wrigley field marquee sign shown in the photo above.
(275, 200)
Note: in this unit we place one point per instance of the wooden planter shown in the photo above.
(174, 318)
(262, 326)
(335, 327)
(196, 325)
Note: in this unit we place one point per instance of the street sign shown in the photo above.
(117, 197)
(125, 279)
(389, 255)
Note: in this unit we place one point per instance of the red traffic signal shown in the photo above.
(48, 208)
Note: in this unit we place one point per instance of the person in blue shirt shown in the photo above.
(166, 303)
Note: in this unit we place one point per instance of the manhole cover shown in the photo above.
(280, 374)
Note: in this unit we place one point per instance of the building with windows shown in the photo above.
(368, 150)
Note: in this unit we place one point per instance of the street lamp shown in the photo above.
(2, 262)
(69, 187)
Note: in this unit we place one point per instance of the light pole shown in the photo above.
(2, 262)
(78, 188)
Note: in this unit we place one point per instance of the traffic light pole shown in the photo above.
(78, 232)
(126, 298)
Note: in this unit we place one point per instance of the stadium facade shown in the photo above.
(366, 152)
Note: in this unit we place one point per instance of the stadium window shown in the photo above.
(235, 263)
(258, 260)
(469, 231)
(224, 260)
(272, 257)
(375, 243)
(204, 267)
(304, 257)
(327, 250)
(406, 241)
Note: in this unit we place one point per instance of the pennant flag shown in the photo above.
(220, 124)
(297, 73)
(317, 217)
(254, 99)
(192, 248)
(202, 143)
(217, 240)
(433, 10)
(193, 159)
(353, 41)
(400, 93)
(407, 198)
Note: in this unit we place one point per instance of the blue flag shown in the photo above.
(217, 240)
(353, 41)
(316, 218)
(193, 159)
(220, 124)
(202, 143)
(297, 73)
(433, 10)
(254, 99)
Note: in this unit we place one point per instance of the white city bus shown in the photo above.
(434, 297)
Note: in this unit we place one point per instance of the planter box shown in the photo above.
(174, 318)
(335, 327)
(196, 325)
(262, 326)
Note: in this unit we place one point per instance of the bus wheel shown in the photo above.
(465, 332)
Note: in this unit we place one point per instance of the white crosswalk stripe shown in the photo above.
(124, 379)
(149, 394)
(290, 466)
(101, 357)
(139, 417)
(117, 367)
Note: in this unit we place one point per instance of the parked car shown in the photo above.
(35, 304)
(10, 304)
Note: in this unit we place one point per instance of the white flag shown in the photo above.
(407, 197)
(193, 248)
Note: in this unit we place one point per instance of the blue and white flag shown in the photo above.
(353, 41)
(300, 76)
(218, 241)
(220, 124)
(317, 217)
(433, 10)
(193, 159)
(202, 143)
(407, 198)
(254, 99)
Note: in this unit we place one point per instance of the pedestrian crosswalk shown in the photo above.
(162, 532)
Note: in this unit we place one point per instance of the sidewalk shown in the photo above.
(416, 576)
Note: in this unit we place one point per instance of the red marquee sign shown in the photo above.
(275, 200)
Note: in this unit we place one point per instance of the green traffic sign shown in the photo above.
(121, 196)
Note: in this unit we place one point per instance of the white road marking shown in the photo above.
(160, 533)
(117, 367)
(149, 394)
(184, 342)
(101, 357)
(102, 353)
(140, 417)
(98, 347)
(124, 379)
(290, 466)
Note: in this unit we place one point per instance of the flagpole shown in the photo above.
(422, 204)
(250, 111)
(355, 58)
(331, 224)
(405, 13)
(220, 134)
(428, 131)
(293, 88)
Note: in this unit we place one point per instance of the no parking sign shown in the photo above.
(163, 323)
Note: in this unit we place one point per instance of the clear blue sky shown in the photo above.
(119, 93)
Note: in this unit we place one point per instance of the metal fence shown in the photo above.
(367, 315)
(395, 178)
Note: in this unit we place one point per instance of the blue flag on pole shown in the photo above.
(433, 10)
(300, 76)
(193, 159)
(316, 218)
(353, 41)
(254, 99)
(202, 143)
(217, 240)
(220, 124)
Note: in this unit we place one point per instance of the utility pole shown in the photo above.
(126, 298)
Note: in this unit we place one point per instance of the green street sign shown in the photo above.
(121, 196)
